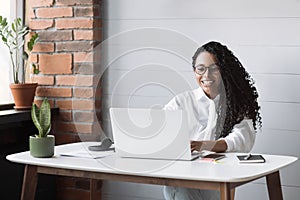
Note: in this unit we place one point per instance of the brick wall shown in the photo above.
(66, 54)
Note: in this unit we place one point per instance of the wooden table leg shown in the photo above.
(94, 193)
(29, 182)
(232, 193)
(274, 186)
(225, 192)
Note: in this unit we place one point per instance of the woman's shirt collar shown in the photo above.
(201, 96)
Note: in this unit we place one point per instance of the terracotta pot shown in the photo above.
(23, 95)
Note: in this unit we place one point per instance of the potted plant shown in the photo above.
(42, 144)
(13, 37)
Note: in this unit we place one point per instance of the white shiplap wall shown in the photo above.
(150, 44)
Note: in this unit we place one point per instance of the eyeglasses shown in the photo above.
(201, 69)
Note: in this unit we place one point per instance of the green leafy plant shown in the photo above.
(13, 36)
(41, 118)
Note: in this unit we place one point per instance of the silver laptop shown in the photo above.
(151, 133)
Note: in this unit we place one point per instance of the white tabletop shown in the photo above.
(226, 170)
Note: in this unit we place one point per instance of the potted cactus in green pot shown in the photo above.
(42, 144)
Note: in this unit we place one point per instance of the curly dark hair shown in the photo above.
(239, 99)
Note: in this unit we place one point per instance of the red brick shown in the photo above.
(85, 117)
(63, 138)
(39, 102)
(87, 11)
(40, 24)
(83, 92)
(83, 34)
(65, 116)
(99, 116)
(97, 23)
(43, 47)
(84, 128)
(54, 12)
(57, 35)
(80, 128)
(97, 10)
(55, 63)
(74, 46)
(87, 68)
(65, 80)
(83, 56)
(74, 23)
(40, 3)
(64, 104)
(87, 35)
(75, 122)
(43, 80)
(33, 58)
(98, 92)
(75, 2)
(98, 104)
(54, 92)
(83, 105)
(88, 136)
(31, 14)
(97, 35)
(87, 56)
(84, 80)
(66, 127)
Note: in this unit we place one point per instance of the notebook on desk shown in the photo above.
(151, 133)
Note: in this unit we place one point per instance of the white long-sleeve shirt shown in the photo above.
(202, 116)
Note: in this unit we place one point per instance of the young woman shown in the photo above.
(223, 113)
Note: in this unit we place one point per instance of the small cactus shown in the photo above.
(41, 118)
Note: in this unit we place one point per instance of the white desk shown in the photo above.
(223, 176)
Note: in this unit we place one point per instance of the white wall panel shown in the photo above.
(246, 192)
(280, 116)
(278, 87)
(290, 192)
(259, 191)
(144, 56)
(263, 32)
(270, 59)
(146, 81)
(143, 36)
(133, 101)
(272, 141)
(178, 9)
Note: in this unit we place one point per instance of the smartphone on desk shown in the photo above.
(214, 156)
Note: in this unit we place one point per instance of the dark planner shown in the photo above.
(251, 158)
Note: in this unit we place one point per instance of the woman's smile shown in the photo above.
(207, 74)
(207, 83)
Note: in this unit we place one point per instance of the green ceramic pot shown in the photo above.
(42, 147)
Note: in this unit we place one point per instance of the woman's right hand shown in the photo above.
(209, 145)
